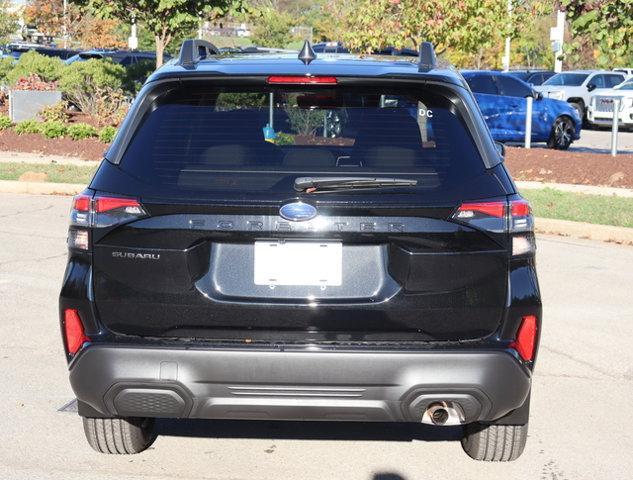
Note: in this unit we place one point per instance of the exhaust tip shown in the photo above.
(439, 416)
(443, 414)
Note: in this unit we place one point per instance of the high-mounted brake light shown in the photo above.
(74, 331)
(525, 343)
(301, 80)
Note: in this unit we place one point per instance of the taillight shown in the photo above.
(521, 226)
(498, 216)
(490, 216)
(525, 342)
(301, 80)
(100, 211)
(107, 204)
(74, 331)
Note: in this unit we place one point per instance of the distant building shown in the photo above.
(227, 29)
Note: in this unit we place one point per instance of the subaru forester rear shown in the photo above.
(286, 238)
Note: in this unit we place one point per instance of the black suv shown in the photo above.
(288, 238)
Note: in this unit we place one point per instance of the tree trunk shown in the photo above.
(160, 49)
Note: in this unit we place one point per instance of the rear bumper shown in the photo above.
(294, 385)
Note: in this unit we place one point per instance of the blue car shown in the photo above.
(502, 100)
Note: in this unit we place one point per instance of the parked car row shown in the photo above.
(579, 86)
(502, 101)
(123, 57)
(602, 106)
(533, 77)
(561, 104)
(15, 50)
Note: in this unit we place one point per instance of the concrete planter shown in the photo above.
(27, 104)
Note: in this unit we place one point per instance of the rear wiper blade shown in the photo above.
(313, 184)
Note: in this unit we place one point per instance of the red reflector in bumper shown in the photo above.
(525, 343)
(301, 79)
(74, 331)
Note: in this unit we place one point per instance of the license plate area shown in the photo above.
(298, 263)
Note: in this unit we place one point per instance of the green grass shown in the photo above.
(56, 173)
(578, 207)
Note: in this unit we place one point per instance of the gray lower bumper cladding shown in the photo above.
(294, 385)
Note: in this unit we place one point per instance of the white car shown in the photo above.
(577, 87)
(626, 71)
(600, 110)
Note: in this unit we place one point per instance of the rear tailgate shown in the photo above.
(211, 257)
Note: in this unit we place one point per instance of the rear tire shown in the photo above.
(494, 443)
(562, 134)
(119, 436)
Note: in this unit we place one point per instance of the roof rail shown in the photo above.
(194, 50)
(427, 60)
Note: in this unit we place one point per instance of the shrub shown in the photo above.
(135, 75)
(53, 129)
(34, 82)
(46, 68)
(95, 86)
(27, 126)
(5, 122)
(80, 131)
(284, 139)
(6, 65)
(106, 135)
(58, 112)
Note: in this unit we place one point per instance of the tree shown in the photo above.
(467, 26)
(8, 21)
(100, 33)
(608, 24)
(48, 17)
(164, 18)
(272, 28)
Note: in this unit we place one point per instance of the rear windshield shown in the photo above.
(247, 141)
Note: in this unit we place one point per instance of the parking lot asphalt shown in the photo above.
(599, 141)
(581, 404)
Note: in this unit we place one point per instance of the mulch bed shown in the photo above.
(581, 168)
(87, 149)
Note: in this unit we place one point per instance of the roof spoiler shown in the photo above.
(427, 60)
(194, 50)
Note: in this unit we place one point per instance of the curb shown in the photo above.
(41, 188)
(566, 228)
(591, 231)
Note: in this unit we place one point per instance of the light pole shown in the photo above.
(557, 36)
(132, 41)
(506, 56)
(65, 25)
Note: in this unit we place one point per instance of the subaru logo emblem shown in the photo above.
(298, 212)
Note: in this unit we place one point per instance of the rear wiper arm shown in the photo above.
(313, 184)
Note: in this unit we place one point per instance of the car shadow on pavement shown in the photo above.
(387, 476)
(395, 432)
